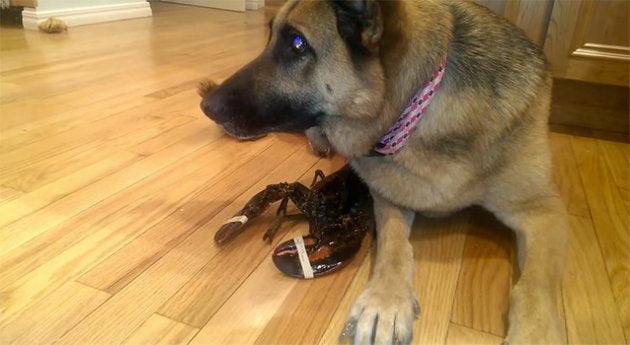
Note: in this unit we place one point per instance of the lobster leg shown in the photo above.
(318, 174)
(297, 192)
(275, 225)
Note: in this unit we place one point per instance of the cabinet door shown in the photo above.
(233, 5)
(588, 41)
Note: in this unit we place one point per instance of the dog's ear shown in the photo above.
(360, 23)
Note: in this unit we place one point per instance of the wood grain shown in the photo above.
(47, 320)
(592, 317)
(560, 30)
(609, 214)
(7, 194)
(438, 248)
(531, 16)
(39, 221)
(123, 266)
(159, 330)
(567, 176)
(482, 295)
(458, 334)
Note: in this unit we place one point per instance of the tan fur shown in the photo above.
(53, 25)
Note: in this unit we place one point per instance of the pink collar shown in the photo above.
(396, 137)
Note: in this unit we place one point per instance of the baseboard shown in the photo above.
(87, 15)
(590, 109)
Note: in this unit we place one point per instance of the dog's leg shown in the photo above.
(541, 232)
(385, 310)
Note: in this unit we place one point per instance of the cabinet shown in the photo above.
(588, 41)
(584, 40)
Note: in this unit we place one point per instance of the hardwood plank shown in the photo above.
(51, 118)
(483, 289)
(567, 176)
(41, 197)
(624, 194)
(160, 330)
(53, 170)
(129, 211)
(610, 219)
(47, 320)
(438, 248)
(171, 136)
(458, 334)
(118, 317)
(126, 264)
(100, 132)
(591, 313)
(99, 238)
(8, 194)
(617, 158)
(14, 235)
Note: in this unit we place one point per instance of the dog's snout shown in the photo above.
(214, 108)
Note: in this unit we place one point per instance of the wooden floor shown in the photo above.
(113, 184)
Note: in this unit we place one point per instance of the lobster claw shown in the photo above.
(323, 256)
(230, 229)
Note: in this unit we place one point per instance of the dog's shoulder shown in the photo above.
(487, 45)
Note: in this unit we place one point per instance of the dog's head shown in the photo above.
(321, 60)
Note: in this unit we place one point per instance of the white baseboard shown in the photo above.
(31, 17)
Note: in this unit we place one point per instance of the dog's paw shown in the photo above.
(318, 142)
(382, 315)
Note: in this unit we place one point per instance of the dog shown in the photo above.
(465, 96)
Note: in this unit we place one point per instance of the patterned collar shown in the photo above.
(394, 140)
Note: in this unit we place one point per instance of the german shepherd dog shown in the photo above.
(348, 69)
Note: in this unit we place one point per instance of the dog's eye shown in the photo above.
(298, 43)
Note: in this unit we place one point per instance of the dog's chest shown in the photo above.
(433, 184)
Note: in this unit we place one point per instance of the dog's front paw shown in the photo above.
(382, 315)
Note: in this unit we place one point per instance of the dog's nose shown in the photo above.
(214, 108)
